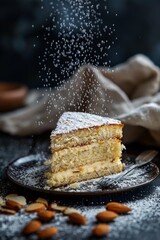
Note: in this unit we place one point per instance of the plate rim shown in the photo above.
(89, 193)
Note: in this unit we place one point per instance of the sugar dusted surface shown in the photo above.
(72, 121)
(141, 223)
(131, 226)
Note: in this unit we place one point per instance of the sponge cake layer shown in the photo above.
(85, 136)
(107, 150)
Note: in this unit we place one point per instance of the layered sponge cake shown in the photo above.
(84, 146)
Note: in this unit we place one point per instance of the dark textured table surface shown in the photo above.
(142, 223)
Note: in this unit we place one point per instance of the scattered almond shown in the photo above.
(19, 199)
(47, 232)
(2, 202)
(70, 210)
(77, 218)
(106, 216)
(32, 227)
(35, 207)
(7, 211)
(57, 208)
(100, 230)
(13, 205)
(42, 200)
(118, 207)
(11, 195)
(46, 215)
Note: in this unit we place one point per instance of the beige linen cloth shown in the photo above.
(129, 92)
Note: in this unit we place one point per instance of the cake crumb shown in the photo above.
(74, 185)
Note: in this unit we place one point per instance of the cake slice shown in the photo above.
(84, 146)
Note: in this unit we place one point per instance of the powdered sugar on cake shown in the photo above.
(72, 121)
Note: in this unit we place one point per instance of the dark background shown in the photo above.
(23, 30)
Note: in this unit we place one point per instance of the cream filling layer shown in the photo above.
(64, 176)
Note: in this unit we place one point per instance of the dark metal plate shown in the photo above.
(28, 172)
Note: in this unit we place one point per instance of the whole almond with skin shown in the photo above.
(32, 227)
(118, 207)
(35, 207)
(13, 205)
(100, 230)
(47, 233)
(77, 218)
(106, 216)
(46, 215)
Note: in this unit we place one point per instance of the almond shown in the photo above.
(106, 216)
(11, 195)
(13, 205)
(118, 207)
(32, 227)
(35, 207)
(2, 202)
(7, 211)
(77, 218)
(57, 208)
(100, 230)
(19, 199)
(70, 210)
(46, 215)
(42, 200)
(47, 232)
